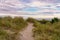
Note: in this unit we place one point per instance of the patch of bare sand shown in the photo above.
(27, 33)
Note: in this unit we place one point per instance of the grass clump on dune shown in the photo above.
(10, 27)
(47, 30)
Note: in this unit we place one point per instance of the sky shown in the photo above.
(30, 8)
(30, 5)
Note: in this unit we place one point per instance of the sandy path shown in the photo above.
(27, 33)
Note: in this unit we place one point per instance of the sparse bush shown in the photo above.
(54, 20)
(31, 20)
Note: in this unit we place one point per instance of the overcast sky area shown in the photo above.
(44, 6)
(30, 5)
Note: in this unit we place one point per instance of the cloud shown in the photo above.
(37, 4)
(39, 7)
(11, 5)
(51, 1)
(29, 5)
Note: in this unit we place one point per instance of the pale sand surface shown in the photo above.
(27, 33)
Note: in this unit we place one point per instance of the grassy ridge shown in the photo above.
(10, 27)
(46, 30)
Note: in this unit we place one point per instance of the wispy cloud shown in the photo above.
(30, 5)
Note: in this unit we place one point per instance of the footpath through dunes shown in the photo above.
(27, 33)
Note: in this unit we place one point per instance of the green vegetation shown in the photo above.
(10, 27)
(43, 29)
(31, 20)
(47, 30)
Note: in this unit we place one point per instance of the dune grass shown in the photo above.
(10, 27)
(47, 30)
